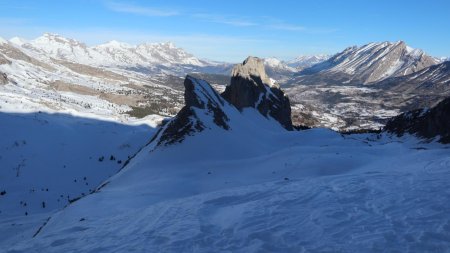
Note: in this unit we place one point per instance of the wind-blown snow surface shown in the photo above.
(258, 188)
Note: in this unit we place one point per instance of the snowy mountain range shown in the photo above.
(112, 53)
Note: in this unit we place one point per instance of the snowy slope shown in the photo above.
(278, 70)
(36, 81)
(342, 194)
(52, 158)
(255, 187)
(432, 80)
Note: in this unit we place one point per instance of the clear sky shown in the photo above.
(233, 29)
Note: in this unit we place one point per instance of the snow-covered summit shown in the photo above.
(115, 43)
(2, 41)
(18, 41)
(305, 61)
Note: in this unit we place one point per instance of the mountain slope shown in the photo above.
(432, 80)
(362, 87)
(48, 160)
(426, 123)
(370, 63)
(307, 61)
(278, 70)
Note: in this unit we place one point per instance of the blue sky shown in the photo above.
(231, 30)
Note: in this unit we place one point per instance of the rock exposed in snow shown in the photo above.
(3, 78)
(251, 87)
(426, 123)
(200, 100)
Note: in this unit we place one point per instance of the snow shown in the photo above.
(18, 41)
(3, 41)
(115, 44)
(221, 194)
(273, 62)
(37, 148)
(307, 60)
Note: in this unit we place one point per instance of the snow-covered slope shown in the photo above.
(432, 80)
(373, 62)
(54, 78)
(48, 160)
(256, 187)
(278, 70)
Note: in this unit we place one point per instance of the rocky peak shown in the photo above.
(202, 104)
(425, 123)
(251, 87)
(252, 68)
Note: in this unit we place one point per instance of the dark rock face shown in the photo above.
(3, 78)
(425, 123)
(199, 97)
(251, 87)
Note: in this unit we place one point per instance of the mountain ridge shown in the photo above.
(371, 63)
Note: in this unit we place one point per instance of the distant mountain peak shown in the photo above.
(305, 61)
(2, 41)
(18, 41)
(115, 44)
(56, 38)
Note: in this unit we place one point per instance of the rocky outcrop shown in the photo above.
(202, 103)
(251, 87)
(3, 78)
(426, 123)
